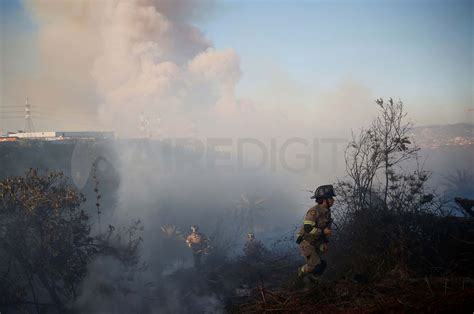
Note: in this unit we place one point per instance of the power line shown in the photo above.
(55, 119)
(39, 107)
(49, 113)
(52, 117)
(49, 110)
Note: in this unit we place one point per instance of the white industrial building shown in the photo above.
(59, 135)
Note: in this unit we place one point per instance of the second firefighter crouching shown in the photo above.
(313, 234)
(199, 245)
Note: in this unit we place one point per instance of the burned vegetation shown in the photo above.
(47, 244)
(397, 245)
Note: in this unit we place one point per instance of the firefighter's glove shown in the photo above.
(299, 239)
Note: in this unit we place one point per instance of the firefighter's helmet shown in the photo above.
(324, 191)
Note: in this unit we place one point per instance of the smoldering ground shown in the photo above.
(165, 184)
(171, 185)
(135, 184)
(168, 184)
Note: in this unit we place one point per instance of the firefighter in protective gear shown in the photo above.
(198, 243)
(254, 249)
(313, 235)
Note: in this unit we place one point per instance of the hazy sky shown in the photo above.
(294, 54)
(407, 48)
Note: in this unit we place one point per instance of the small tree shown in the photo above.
(44, 235)
(383, 195)
(377, 152)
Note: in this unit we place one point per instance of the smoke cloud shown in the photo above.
(141, 68)
(130, 65)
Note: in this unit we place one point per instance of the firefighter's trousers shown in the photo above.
(311, 253)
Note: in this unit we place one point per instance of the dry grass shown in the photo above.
(427, 295)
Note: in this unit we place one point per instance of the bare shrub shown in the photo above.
(389, 220)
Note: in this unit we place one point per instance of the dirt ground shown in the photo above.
(415, 295)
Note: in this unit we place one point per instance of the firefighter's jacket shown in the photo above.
(315, 221)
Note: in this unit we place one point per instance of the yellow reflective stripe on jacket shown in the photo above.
(309, 222)
(314, 231)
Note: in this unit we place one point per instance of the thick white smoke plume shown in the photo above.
(159, 66)
(142, 68)
(145, 59)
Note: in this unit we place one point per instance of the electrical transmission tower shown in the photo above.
(29, 128)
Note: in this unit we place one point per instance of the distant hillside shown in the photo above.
(435, 136)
